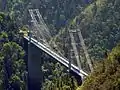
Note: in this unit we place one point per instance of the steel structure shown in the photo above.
(41, 32)
(57, 57)
(85, 49)
(73, 43)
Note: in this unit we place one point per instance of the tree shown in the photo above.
(106, 75)
(57, 79)
(13, 65)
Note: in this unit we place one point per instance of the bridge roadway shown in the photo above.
(57, 57)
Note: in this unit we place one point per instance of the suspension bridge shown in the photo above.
(39, 37)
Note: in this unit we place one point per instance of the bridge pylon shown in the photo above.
(77, 43)
(40, 30)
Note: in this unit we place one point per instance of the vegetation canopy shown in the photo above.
(106, 75)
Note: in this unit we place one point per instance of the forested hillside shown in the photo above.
(100, 25)
(99, 22)
(57, 13)
(12, 65)
(15, 17)
(106, 75)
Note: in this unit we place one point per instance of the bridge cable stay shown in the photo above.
(43, 23)
(46, 29)
(75, 49)
(39, 34)
(39, 31)
(44, 32)
(85, 50)
(70, 59)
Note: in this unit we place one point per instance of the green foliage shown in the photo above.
(12, 65)
(16, 9)
(106, 75)
(57, 79)
(24, 31)
(15, 80)
(12, 53)
(100, 26)
(15, 53)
